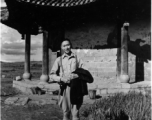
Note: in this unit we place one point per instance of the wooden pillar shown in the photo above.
(118, 48)
(124, 78)
(118, 64)
(45, 64)
(27, 75)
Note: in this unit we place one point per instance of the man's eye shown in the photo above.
(66, 45)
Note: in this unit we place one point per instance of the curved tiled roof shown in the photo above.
(4, 13)
(58, 3)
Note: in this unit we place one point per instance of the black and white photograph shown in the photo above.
(75, 60)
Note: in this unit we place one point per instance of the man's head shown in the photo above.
(66, 46)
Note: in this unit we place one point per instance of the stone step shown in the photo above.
(102, 88)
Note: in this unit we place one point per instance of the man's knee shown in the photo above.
(75, 117)
(75, 113)
(66, 115)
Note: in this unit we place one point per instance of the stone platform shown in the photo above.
(102, 89)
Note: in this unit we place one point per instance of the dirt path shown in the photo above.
(34, 111)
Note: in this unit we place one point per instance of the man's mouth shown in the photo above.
(67, 51)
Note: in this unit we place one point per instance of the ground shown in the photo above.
(52, 111)
(33, 111)
(29, 111)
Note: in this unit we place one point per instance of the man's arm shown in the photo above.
(76, 63)
(53, 74)
(79, 62)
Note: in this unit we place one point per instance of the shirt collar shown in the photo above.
(65, 55)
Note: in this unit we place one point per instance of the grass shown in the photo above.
(11, 70)
(26, 112)
(9, 91)
(133, 105)
(117, 107)
(31, 112)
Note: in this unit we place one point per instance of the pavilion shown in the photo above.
(50, 17)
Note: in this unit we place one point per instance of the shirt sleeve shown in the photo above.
(73, 65)
(53, 73)
(79, 62)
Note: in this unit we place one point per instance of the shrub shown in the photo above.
(9, 90)
(135, 106)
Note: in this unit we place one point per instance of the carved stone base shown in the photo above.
(124, 78)
(27, 76)
(44, 78)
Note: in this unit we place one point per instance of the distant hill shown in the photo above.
(20, 64)
(38, 62)
(13, 69)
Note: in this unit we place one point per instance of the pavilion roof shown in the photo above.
(32, 15)
(21, 14)
(6, 19)
(4, 14)
(58, 3)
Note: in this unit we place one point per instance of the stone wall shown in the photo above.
(102, 65)
(90, 44)
(95, 35)
(89, 36)
(102, 89)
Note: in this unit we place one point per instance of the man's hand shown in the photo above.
(71, 77)
(68, 78)
(65, 79)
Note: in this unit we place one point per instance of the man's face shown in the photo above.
(66, 47)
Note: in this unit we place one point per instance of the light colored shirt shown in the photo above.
(69, 63)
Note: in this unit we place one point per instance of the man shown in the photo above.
(62, 72)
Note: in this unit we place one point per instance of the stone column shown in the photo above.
(118, 49)
(124, 78)
(118, 64)
(45, 64)
(27, 75)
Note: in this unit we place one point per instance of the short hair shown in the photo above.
(66, 39)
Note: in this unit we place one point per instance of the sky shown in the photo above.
(3, 3)
(13, 47)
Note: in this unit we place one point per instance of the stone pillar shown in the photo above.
(27, 75)
(45, 64)
(124, 78)
(118, 49)
(118, 64)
